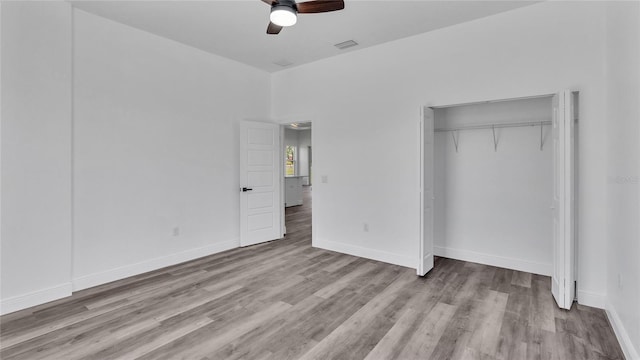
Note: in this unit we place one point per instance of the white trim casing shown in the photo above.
(87, 281)
(34, 298)
(630, 352)
(494, 260)
(368, 253)
(589, 298)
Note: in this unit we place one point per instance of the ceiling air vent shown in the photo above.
(346, 44)
(283, 63)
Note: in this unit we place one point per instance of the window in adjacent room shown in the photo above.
(290, 162)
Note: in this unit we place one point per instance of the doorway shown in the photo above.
(497, 186)
(297, 180)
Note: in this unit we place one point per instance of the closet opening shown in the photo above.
(497, 186)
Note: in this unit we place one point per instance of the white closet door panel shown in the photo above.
(425, 261)
(563, 131)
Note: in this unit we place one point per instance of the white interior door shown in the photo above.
(259, 182)
(425, 261)
(563, 279)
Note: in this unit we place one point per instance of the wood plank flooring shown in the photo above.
(287, 300)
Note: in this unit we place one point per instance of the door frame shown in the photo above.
(573, 256)
(283, 226)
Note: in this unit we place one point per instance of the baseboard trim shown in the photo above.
(91, 280)
(630, 352)
(592, 299)
(493, 260)
(378, 255)
(34, 298)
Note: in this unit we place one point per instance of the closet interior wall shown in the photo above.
(494, 186)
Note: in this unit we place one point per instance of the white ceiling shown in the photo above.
(236, 29)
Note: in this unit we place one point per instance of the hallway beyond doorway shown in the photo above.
(298, 218)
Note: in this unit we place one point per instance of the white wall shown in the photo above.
(623, 157)
(304, 141)
(376, 95)
(492, 207)
(156, 139)
(290, 137)
(36, 148)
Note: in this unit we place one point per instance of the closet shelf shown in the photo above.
(495, 126)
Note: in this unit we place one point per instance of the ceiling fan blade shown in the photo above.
(270, 2)
(319, 6)
(273, 29)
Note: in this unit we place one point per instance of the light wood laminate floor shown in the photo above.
(287, 300)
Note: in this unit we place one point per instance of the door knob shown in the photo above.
(245, 189)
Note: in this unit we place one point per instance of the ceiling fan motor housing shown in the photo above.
(284, 13)
(290, 3)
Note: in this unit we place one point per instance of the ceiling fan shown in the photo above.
(284, 12)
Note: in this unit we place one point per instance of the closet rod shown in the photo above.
(495, 126)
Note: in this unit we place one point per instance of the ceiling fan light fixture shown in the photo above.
(283, 15)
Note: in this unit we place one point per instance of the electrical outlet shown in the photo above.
(324, 179)
(176, 231)
(365, 227)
